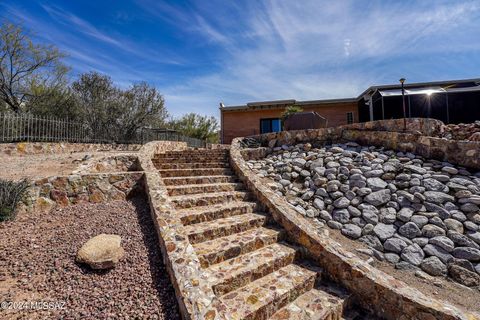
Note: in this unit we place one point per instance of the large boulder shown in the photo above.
(101, 252)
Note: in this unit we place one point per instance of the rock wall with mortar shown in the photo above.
(26, 148)
(372, 288)
(48, 193)
(119, 163)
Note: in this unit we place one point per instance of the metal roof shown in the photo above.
(411, 88)
(282, 103)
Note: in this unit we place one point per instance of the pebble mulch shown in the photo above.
(37, 263)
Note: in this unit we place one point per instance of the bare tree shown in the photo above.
(118, 114)
(24, 64)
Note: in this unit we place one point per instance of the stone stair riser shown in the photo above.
(262, 298)
(189, 202)
(192, 165)
(222, 231)
(196, 216)
(195, 172)
(190, 156)
(313, 305)
(177, 181)
(195, 189)
(240, 279)
(223, 251)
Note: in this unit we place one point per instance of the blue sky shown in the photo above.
(198, 53)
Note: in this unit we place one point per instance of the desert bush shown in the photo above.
(11, 193)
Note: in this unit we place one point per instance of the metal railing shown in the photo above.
(31, 128)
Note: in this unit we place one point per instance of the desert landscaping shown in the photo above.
(111, 237)
(239, 160)
(419, 215)
(38, 262)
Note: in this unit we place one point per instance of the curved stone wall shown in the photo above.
(372, 288)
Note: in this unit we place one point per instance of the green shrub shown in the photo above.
(11, 193)
(290, 110)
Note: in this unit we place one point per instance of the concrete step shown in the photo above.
(209, 230)
(204, 188)
(193, 159)
(316, 304)
(240, 271)
(191, 165)
(194, 172)
(176, 181)
(197, 151)
(221, 249)
(262, 298)
(206, 199)
(218, 211)
(191, 154)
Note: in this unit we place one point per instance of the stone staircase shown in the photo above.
(252, 268)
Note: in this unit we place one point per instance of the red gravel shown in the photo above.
(37, 263)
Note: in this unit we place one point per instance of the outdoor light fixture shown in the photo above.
(402, 80)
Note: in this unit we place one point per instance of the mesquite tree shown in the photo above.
(24, 64)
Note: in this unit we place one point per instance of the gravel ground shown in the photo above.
(36, 166)
(37, 263)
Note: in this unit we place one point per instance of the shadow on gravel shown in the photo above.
(158, 271)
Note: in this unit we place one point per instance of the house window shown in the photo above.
(349, 117)
(270, 125)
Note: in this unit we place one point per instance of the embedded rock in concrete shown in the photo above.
(101, 252)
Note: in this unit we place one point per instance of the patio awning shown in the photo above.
(398, 92)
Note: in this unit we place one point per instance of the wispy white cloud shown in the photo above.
(274, 49)
(313, 50)
(80, 25)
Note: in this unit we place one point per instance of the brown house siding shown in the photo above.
(242, 123)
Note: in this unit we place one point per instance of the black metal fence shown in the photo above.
(30, 128)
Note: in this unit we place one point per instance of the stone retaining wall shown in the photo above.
(47, 193)
(119, 163)
(372, 288)
(195, 297)
(432, 127)
(25, 148)
(463, 153)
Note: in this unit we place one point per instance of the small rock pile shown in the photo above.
(412, 212)
(463, 131)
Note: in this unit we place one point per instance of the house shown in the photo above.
(453, 101)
